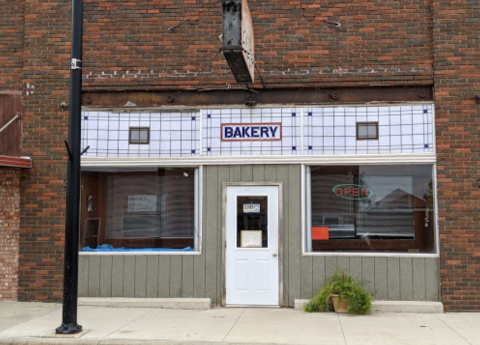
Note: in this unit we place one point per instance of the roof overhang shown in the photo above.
(15, 162)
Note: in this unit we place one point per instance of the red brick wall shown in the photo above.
(128, 44)
(11, 44)
(9, 232)
(457, 80)
(45, 127)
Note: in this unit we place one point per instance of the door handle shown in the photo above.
(274, 254)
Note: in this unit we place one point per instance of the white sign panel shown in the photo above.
(251, 132)
(142, 203)
(251, 208)
(251, 239)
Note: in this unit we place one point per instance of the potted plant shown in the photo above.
(341, 293)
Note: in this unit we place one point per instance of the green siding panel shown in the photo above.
(419, 283)
(152, 276)
(106, 276)
(391, 278)
(129, 276)
(163, 284)
(83, 272)
(406, 279)
(176, 276)
(187, 276)
(213, 193)
(117, 276)
(94, 276)
(141, 276)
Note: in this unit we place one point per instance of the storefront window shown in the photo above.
(139, 210)
(370, 208)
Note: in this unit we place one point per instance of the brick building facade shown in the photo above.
(165, 54)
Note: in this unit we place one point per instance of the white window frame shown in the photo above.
(198, 195)
(405, 161)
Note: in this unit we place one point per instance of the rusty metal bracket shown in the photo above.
(477, 99)
(10, 122)
(171, 99)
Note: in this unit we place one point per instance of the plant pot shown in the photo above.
(340, 306)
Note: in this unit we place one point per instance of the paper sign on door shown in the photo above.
(251, 239)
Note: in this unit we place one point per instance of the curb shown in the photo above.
(417, 307)
(160, 303)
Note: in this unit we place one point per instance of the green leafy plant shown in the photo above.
(347, 287)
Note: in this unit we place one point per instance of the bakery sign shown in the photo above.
(251, 132)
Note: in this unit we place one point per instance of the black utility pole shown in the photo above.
(70, 279)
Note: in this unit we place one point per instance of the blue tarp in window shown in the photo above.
(110, 248)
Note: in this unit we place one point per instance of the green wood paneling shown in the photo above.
(293, 204)
(163, 284)
(83, 272)
(129, 276)
(355, 268)
(152, 276)
(258, 173)
(432, 279)
(318, 274)
(307, 277)
(282, 176)
(106, 276)
(406, 279)
(247, 173)
(368, 273)
(176, 276)
(381, 279)
(419, 283)
(94, 276)
(187, 276)
(391, 278)
(224, 175)
(213, 191)
(140, 276)
(117, 276)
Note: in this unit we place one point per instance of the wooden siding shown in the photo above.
(390, 278)
(11, 137)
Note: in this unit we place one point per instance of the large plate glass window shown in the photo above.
(146, 209)
(375, 208)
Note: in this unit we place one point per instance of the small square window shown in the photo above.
(367, 130)
(139, 135)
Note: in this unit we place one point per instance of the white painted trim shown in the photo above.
(142, 162)
(380, 255)
(198, 223)
(200, 113)
(138, 253)
(376, 254)
(307, 221)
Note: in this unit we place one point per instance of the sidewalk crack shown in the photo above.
(238, 318)
(125, 325)
(446, 324)
(341, 327)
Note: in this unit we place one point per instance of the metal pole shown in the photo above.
(70, 279)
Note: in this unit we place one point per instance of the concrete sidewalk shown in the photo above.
(35, 323)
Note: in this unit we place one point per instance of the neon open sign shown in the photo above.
(352, 192)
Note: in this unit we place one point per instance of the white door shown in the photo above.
(251, 270)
